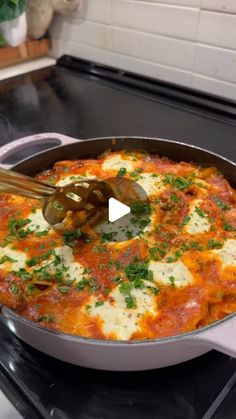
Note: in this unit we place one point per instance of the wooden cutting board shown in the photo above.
(29, 50)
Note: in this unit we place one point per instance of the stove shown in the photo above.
(83, 99)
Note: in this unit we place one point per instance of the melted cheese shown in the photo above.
(116, 162)
(38, 222)
(66, 180)
(228, 253)
(197, 224)
(71, 270)
(18, 256)
(75, 270)
(163, 272)
(119, 320)
(151, 185)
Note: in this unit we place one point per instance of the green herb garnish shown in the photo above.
(48, 318)
(185, 220)
(122, 172)
(15, 225)
(6, 258)
(213, 244)
(221, 204)
(130, 302)
(180, 182)
(174, 198)
(14, 289)
(228, 227)
(23, 274)
(82, 284)
(200, 212)
(138, 270)
(99, 303)
(63, 289)
(172, 280)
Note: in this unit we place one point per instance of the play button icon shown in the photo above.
(126, 211)
(116, 210)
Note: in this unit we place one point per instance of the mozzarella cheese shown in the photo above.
(64, 181)
(228, 253)
(75, 270)
(116, 162)
(197, 224)
(151, 185)
(119, 320)
(175, 273)
(18, 256)
(38, 222)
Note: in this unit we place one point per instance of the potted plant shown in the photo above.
(13, 26)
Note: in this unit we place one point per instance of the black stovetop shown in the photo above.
(83, 100)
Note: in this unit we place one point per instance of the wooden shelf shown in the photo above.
(29, 50)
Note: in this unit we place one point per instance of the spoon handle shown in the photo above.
(18, 184)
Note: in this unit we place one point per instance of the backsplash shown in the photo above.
(187, 42)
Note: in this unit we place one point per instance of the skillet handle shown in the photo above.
(47, 139)
(221, 337)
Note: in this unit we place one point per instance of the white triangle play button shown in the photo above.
(116, 210)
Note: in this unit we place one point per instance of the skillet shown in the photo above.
(118, 355)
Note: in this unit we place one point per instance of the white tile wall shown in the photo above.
(217, 29)
(188, 3)
(226, 6)
(162, 72)
(160, 19)
(153, 48)
(214, 86)
(215, 62)
(188, 42)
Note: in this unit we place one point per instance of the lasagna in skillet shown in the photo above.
(176, 275)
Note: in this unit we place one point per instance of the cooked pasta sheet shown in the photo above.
(178, 274)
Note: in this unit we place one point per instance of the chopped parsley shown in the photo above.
(138, 270)
(42, 233)
(179, 182)
(63, 289)
(14, 289)
(140, 214)
(108, 236)
(99, 303)
(172, 280)
(70, 237)
(221, 204)
(15, 225)
(33, 261)
(82, 284)
(228, 227)
(130, 301)
(156, 251)
(58, 206)
(200, 212)
(118, 279)
(6, 258)
(213, 244)
(122, 172)
(174, 198)
(154, 290)
(23, 274)
(31, 289)
(125, 287)
(48, 318)
(136, 174)
(185, 220)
